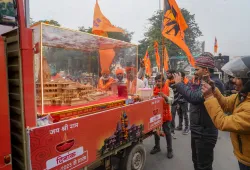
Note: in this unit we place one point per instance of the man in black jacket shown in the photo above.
(203, 132)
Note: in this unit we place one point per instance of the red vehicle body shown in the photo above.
(71, 144)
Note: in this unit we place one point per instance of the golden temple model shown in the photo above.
(62, 92)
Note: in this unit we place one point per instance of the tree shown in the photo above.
(51, 22)
(127, 37)
(83, 29)
(7, 9)
(153, 33)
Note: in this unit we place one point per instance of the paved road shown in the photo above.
(224, 158)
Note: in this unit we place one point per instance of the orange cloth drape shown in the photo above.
(157, 56)
(106, 58)
(101, 25)
(174, 26)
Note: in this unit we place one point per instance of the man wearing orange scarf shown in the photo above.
(119, 75)
(133, 83)
(105, 81)
(162, 90)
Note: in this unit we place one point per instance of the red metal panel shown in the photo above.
(75, 143)
(28, 83)
(5, 147)
(26, 48)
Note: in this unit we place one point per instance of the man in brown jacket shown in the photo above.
(238, 122)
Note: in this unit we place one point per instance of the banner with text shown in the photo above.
(78, 142)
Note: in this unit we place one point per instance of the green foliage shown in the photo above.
(153, 33)
(127, 37)
(51, 22)
(7, 9)
(83, 29)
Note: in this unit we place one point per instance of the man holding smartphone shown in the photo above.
(203, 132)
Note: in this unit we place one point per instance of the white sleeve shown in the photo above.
(171, 96)
(146, 83)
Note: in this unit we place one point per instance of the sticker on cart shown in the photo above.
(66, 157)
(155, 121)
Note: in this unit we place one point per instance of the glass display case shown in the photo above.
(74, 69)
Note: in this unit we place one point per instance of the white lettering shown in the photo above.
(54, 162)
(65, 127)
(54, 131)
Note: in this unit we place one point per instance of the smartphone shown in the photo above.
(206, 78)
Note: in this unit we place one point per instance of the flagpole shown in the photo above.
(162, 39)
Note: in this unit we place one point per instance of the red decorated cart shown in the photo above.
(54, 116)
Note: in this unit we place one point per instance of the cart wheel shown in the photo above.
(135, 158)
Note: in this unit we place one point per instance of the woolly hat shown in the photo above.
(205, 60)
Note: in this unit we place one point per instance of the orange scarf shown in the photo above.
(107, 85)
(132, 89)
(167, 116)
(169, 82)
(185, 80)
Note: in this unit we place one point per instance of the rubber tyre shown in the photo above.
(135, 158)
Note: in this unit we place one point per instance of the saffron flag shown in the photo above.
(101, 25)
(147, 64)
(215, 45)
(157, 56)
(166, 59)
(174, 26)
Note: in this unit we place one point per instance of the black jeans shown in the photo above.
(166, 126)
(203, 151)
(183, 112)
(244, 167)
(173, 112)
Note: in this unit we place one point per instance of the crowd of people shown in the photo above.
(213, 106)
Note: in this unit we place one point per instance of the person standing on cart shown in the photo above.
(164, 91)
(133, 83)
(120, 76)
(105, 81)
(203, 132)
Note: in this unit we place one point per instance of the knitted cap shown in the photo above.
(205, 60)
